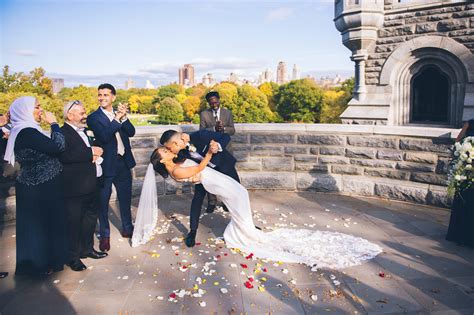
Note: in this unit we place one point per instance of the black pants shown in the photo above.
(198, 198)
(81, 218)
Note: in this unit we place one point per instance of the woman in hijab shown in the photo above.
(40, 235)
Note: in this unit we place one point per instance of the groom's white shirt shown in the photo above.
(199, 157)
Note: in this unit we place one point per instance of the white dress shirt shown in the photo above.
(83, 135)
(120, 146)
(216, 114)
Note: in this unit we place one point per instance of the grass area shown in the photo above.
(141, 120)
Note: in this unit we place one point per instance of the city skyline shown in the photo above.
(145, 41)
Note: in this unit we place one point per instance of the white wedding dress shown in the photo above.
(322, 249)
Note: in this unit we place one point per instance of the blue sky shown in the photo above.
(90, 41)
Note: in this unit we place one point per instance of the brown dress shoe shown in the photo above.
(127, 234)
(104, 244)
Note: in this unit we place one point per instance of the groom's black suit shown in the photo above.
(224, 162)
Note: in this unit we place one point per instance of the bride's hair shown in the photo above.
(159, 167)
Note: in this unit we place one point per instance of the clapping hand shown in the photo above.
(121, 112)
(96, 153)
(219, 126)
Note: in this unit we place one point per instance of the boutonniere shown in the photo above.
(90, 136)
(191, 147)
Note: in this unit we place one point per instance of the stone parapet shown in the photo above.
(401, 163)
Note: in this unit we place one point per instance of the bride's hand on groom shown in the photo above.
(213, 147)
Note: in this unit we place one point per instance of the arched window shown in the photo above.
(430, 97)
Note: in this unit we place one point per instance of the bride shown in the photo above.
(322, 249)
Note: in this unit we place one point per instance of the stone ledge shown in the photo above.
(426, 132)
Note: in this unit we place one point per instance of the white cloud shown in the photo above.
(279, 14)
(26, 53)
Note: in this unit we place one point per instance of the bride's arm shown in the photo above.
(187, 172)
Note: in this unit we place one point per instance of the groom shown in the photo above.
(195, 146)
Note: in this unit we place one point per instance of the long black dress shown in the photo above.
(461, 223)
(40, 221)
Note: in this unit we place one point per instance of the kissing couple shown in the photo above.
(201, 157)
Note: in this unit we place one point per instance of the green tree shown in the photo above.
(170, 111)
(191, 107)
(299, 101)
(270, 89)
(332, 107)
(87, 95)
(34, 82)
(251, 106)
(170, 90)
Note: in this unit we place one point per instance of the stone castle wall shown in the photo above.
(400, 163)
(407, 20)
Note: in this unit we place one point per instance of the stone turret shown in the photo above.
(414, 62)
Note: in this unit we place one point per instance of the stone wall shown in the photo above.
(401, 163)
(407, 20)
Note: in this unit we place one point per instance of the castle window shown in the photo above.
(430, 97)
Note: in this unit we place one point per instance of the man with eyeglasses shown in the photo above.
(112, 131)
(81, 170)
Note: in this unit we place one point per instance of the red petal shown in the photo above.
(173, 295)
(243, 266)
(264, 269)
(248, 285)
(249, 256)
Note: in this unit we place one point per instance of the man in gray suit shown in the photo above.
(216, 119)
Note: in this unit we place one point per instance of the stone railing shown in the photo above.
(401, 163)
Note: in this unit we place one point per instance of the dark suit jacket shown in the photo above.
(208, 122)
(78, 170)
(104, 133)
(224, 161)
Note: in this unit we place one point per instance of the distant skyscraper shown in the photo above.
(233, 77)
(129, 84)
(296, 74)
(148, 85)
(58, 85)
(208, 80)
(186, 75)
(281, 73)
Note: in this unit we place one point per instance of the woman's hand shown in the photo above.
(213, 147)
(49, 118)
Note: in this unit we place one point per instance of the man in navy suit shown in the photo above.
(183, 144)
(112, 131)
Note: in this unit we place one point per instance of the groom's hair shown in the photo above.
(166, 136)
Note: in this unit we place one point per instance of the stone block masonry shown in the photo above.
(407, 163)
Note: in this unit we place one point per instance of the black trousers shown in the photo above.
(198, 198)
(81, 218)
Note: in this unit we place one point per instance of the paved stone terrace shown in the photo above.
(418, 273)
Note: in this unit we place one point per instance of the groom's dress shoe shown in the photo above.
(104, 244)
(128, 234)
(190, 240)
(210, 208)
(76, 265)
(95, 255)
